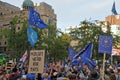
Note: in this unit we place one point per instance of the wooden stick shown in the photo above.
(103, 67)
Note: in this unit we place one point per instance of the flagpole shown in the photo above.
(111, 59)
(112, 22)
(103, 71)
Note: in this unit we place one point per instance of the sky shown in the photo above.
(72, 12)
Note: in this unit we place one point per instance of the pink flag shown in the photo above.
(116, 52)
(23, 58)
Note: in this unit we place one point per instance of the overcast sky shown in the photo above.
(72, 12)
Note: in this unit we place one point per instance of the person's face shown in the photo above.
(118, 71)
(0, 68)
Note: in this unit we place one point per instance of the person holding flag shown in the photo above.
(84, 56)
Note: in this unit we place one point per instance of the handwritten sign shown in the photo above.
(36, 61)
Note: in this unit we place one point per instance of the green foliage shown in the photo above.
(17, 40)
(3, 58)
(4, 32)
(55, 47)
(66, 38)
(58, 50)
(89, 32)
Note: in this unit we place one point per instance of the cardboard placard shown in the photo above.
(36, 61)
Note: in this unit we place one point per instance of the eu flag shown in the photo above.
(105, 44)
(35, 20)
(91, 63)
(114, 9)
(85, 55)
(71, 53)
(32, 36)
(75, 62)
(86, 51)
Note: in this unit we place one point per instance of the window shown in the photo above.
(18, 21)
(118, 28)
(5, 36)
(4, 49)
(5, 42)
(11, 12)
(1, 13)
(0, 36)
(18, 28)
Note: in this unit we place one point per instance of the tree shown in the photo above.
(3, 38)
(89, 32)
(66, 38)
(61, 47)
(3, 33)
(17, 40)
(56, 46)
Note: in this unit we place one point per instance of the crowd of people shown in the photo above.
(60, 71)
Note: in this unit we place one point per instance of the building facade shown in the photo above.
(8, 12)
(114, 21)
(74, 42)
(111, 21)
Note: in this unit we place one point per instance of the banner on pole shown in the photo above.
(36, 61)
(105, 44)
(115, 52)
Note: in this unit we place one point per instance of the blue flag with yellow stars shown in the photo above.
(71, 53)
(86, 51)
(35, 20)
(105, 44)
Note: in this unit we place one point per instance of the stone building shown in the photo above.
(8, 12)
(114, 21)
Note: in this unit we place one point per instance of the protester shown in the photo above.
(46, 76)
(39, 76)
(1, 73)
(118, 74)
(55, 71)
(15, 74)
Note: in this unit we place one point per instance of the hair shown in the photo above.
(94, 75)
(72, 76)
(118, 69)
(112, 77)
(14, 70)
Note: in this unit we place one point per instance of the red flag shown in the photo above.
(116, 52)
